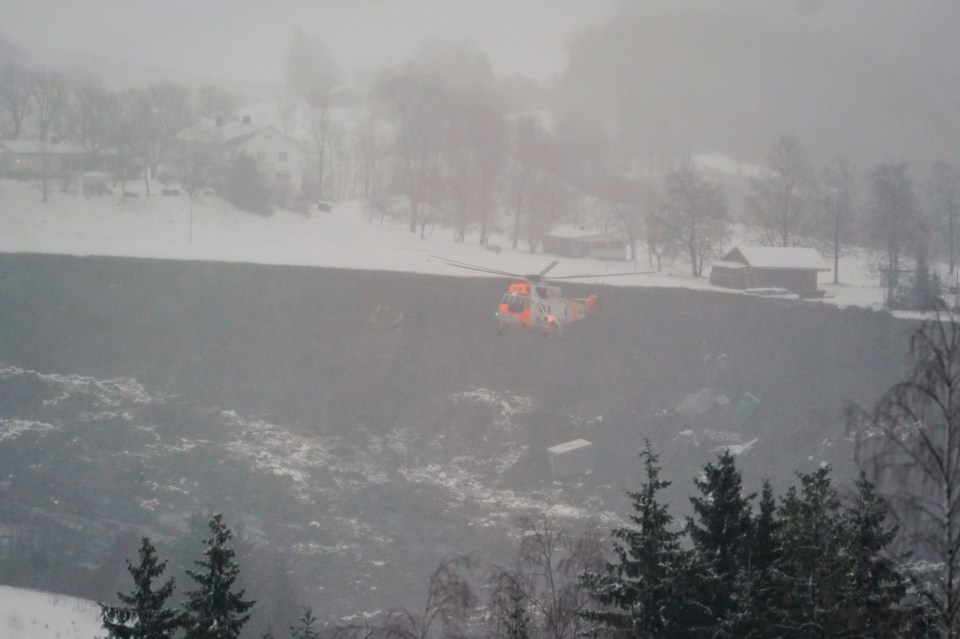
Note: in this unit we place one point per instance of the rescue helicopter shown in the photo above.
(536, 302)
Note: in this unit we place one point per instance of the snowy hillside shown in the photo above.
(209, 228)
(29, 614)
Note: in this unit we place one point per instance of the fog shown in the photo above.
(227, 235)
(248, 40)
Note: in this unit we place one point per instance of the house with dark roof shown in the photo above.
(210, 146)
(788, 267)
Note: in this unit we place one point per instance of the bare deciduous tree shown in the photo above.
(894, 217)
(545, 581)
(445, 609)
(910, 445)
(634, 199)
(319, 124)
(780, 199)
(657, 238)
(696, 216)
(943, 191)
(159, 112)
(487, 136)
(92, 113)
(413, 102)
(837, 208)
(15, 96)
(528, 147)
(549, 200)
(371, 154)
(50, 92)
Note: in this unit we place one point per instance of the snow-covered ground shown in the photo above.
(30, 614)
(209, 228)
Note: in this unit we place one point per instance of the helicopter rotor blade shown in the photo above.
(474, 267)
(549, 266)
(599, 275)
(485, 270)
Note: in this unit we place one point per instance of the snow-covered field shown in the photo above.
(209, 228)
(29, 614)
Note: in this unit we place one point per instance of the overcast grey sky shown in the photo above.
(249, 39)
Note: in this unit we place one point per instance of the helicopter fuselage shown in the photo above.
(541, 306)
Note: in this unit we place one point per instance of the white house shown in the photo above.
(213, 144)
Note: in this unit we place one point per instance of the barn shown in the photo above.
(577, 244)
(788, 267)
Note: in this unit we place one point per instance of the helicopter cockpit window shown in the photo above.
(515, 303)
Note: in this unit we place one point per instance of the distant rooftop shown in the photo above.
(208, 130)
(777, 257)
(36, 146)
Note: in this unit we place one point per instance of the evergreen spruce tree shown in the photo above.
(811, 572)
(640, 592)
(142, 614)
(213, 610)
(304, 628)
(517, 624)
(876, 587)
(755, 615)
(720, 531)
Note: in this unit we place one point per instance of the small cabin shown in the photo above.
(597, 245)
(788, 267)
(576, 457)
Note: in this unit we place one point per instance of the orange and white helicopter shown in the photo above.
(536, 302)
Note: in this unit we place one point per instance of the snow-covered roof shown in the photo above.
(726, 165)
(207, 130)
(777, 257)
(730, 265)
(577, 234)
(36, 146)
(568, 446)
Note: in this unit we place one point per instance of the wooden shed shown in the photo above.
(788, 267)
(595, 245)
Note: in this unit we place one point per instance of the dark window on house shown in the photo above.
(283, 156)
(261, 156)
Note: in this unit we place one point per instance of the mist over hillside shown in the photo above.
(871, 80)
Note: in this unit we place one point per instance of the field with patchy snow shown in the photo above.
(359, 426)
(358, 423)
